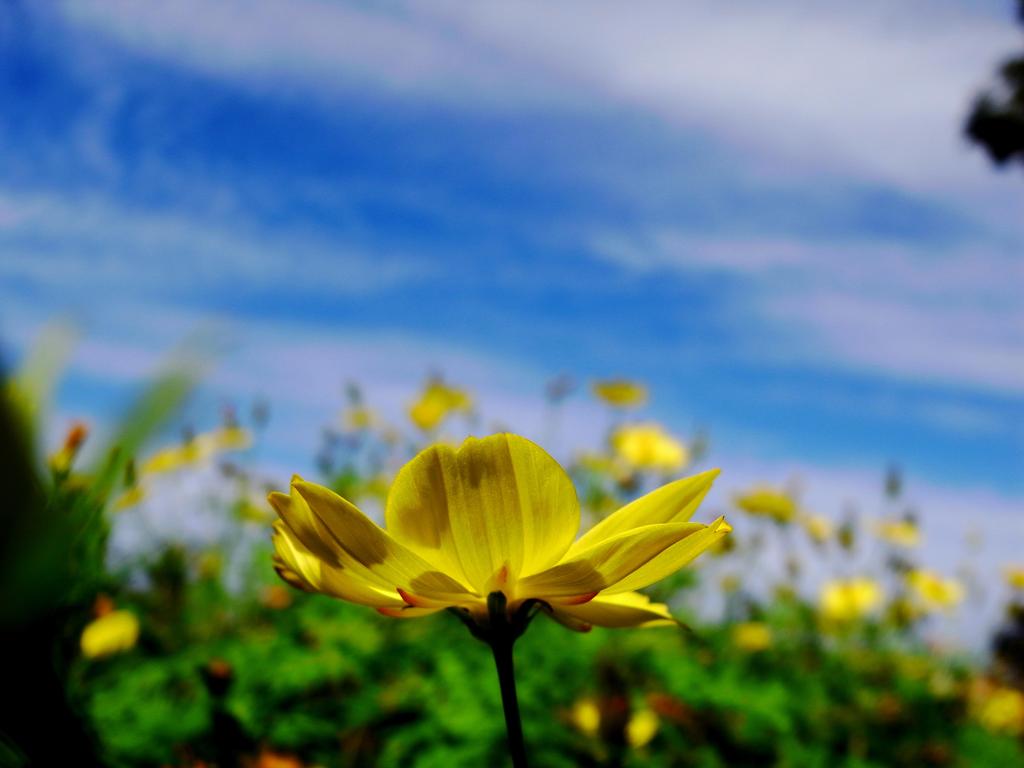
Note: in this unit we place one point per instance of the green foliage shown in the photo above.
(334, 684)
(265, 675)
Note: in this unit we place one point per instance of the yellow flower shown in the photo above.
(731, 583)
(359, 417)
(1014, 576)
(620, 393)
(723, 547)
(436, 403)
(249, 508)
(998, 709)
(111, 633)
(902, 611)
(377, 487)
(129, 498)
(767, 502)
(586, 716)
(641, 728)
(752, 636)
(819, 528)
(649, 447)
(933, 591)
(902, 533)
(496, 517)
(198, 449)
(850, 599)
(598, 463)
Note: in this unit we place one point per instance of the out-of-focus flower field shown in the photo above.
(186, 655)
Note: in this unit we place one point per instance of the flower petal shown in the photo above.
(293, 562)
(406, 611)
(312, 534)
(629, 609)
(496, 509)
(570, 622)
(362, 545)
(297, 515)
(672, 559)
(672, 503)
(608, 562)
(301, 568)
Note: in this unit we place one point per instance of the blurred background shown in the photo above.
(313, 236)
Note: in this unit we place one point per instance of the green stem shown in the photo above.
(500, 631)
(501, 646)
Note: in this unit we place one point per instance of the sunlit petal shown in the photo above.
(355, 537)
(406, 611)
(672, 559)
(609, 561)
(629, 609)
(301, 568)
(672, 503)
(499, 505)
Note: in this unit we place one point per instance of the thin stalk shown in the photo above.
(502, 650)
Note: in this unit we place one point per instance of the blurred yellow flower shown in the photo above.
(586, 716)
(198, 449)
(902, 533)
(723, 547)
(649, 447)
(211, 564)
(498, 515)
(641, 728)
(933, 591)
(129, 498)
(752, 636)
(997, 708)
(819, 528)
(902, 611)
(620, 393)
(377, 487)
(249, 508)
(1014, 576)
(603, 464)
(359, 417)
(436, 403)
(731, 583)
(847, 600)
(767, 502)
(111, 633)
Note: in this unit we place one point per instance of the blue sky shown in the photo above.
(765, 211)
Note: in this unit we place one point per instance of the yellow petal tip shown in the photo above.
(277, 500)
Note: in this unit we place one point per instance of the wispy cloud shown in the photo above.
(44, 237)
(869, 89)
(779, 194)
(920, 311)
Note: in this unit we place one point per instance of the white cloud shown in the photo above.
(855, 90)
(872, 89)
(88, 247)
(328, 45)
(952, 315)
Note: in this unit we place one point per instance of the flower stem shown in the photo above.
(500, 630)
(501, 646)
